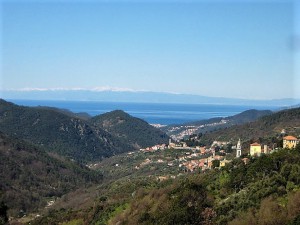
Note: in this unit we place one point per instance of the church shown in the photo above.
(238, 149)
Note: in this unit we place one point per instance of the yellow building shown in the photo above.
(224, 162)
(290, 142)
(255, 149)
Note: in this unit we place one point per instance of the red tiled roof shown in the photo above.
(290, 138)
(255, 144)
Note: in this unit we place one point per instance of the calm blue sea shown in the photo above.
(157, 113)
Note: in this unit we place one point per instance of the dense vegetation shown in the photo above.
(76, 137)
(248, 116)
(130, 129)
(264, 127)
(80, 115)
(3, 213)
(240, 118)
(66, 135)
(265, 191)
(29, 176)
(125, 190)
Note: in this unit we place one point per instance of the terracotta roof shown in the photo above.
(290, 138)
(255, 144)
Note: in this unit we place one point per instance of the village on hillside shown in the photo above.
(201, 158)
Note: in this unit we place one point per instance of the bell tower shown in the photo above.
(238, 149)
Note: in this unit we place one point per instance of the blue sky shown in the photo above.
(239, 49)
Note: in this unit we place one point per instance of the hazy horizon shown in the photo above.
(44, 96)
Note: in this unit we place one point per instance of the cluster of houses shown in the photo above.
(202, 158)
(194, 159)
(203, 164)
(154, 148)
(181, 131)
(256, 149)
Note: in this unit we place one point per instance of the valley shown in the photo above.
(86, 179)
(159, 112)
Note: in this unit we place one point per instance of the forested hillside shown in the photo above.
(29, 176)
(141, 187)
(263, 192)
(264, 127)
(243, 117)
(76, 135)
(130, 129)
(66, 135)
(217, 123)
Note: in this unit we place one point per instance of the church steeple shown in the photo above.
(238, 149)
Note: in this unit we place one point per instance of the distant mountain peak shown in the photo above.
(59, 131)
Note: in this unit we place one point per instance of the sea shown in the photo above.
(153, 113)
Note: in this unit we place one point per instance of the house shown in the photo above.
(202, 150)
(154, 148)
(183, 144)
(218, 157)
(209, 164)
(255, 149)
(162, 178)
(224, 162)
(171, 145)
(246, 160)
(290, 142)
(266, 149)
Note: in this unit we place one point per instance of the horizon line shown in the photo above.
(121, 89)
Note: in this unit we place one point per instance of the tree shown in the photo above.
(3, 213)
(297, 148)
(229, 148)
(215, 163)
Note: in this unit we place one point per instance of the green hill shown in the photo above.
(248, 116)
(243, 117)
(129, 129)
(65, 134)
(265, 191)
(80, 115)
(29, 176)
(204, 126)
(264, 127)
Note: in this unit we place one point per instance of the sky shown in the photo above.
(242, 49)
